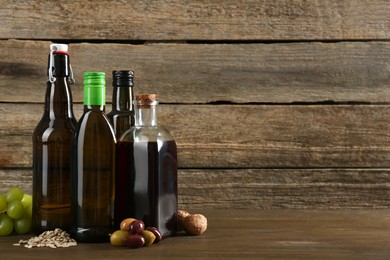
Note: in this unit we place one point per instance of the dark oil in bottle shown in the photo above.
(146, 184)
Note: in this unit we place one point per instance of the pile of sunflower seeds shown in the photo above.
(53, 239)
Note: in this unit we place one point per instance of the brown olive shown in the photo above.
(156, 232)
(136, 227)
(134, 241)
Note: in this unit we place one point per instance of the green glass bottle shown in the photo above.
(93, 155)
(122, 113)
(52, 140)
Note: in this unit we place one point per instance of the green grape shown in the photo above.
(15, 209)
(3, 203)
(23, 224)
(26, 200)
(14, 194)
(6, 225)
(29, 211)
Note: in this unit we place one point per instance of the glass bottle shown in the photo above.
(146, 180)
(122, 112)
(92, 177)
(51, 147)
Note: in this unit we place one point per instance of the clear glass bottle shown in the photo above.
(51, 147)
(122, 112)
(93, 155)
(146, 180)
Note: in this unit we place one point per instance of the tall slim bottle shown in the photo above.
(51, 147)
(93, 154)
(122, 113)
(146, 180)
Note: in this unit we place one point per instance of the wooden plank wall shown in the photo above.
(274, 104)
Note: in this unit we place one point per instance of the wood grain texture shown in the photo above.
(195, 20)
(243, 136)
(273, 104)
(285, 188)
(202, 73)
(249, 234)
(264, 188)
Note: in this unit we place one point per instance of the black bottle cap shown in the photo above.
(122, 78)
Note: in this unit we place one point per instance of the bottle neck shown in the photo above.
(58, 100)
(146, 116)
(123, 99)
(101, 108)
(94, 91)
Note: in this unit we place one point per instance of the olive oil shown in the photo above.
(51, 147)
(93, 155)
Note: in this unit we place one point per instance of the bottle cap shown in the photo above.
(146, 100)
(122, 78)
(94, 88)
(59, 48)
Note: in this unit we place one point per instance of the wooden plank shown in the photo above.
(264, 188)
(21, 178)
(195, 20)
(285, 188)
(248, 234)
(187, 73)
(243, 136)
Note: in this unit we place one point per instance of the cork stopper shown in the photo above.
(146, 100)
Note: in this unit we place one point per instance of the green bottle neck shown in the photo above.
(122, 99)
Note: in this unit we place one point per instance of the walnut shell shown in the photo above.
(181, 215)
(195, 224)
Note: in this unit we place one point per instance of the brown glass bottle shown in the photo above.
(92, 177)
(146, 180)
(51, 148)
(122, 113)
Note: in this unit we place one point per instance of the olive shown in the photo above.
(118, 238)
(148, 236)
(136, 227)
(156, 232)
(134, 241)
(125, 224)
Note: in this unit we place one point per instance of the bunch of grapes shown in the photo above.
(15, 212)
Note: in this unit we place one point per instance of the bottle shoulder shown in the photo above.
(95, 123)
(146, 134)
(120, 113)
(57, 125)
(58, 131)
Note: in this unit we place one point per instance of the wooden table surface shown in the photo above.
(257, 234)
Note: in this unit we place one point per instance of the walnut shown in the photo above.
(195, 224)
(181, 215)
